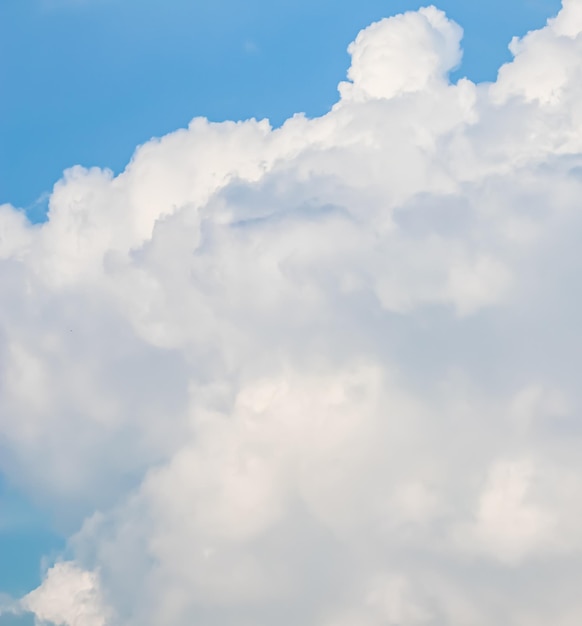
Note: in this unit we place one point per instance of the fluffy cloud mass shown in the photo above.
(325, 374)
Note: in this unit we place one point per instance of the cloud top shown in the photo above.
(402, 54)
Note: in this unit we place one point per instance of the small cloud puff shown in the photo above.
(402, 54)
(68, 596)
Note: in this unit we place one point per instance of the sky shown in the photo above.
(86, 81)
(318, 366)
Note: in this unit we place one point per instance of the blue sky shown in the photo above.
(86, 81)
(25, 536)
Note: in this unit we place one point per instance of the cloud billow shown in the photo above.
(324, 374)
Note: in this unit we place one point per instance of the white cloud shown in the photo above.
(325, 374)
(402, 54)
(68, 597)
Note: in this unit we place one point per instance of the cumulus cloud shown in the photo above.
(324, 374)
(68, 595)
